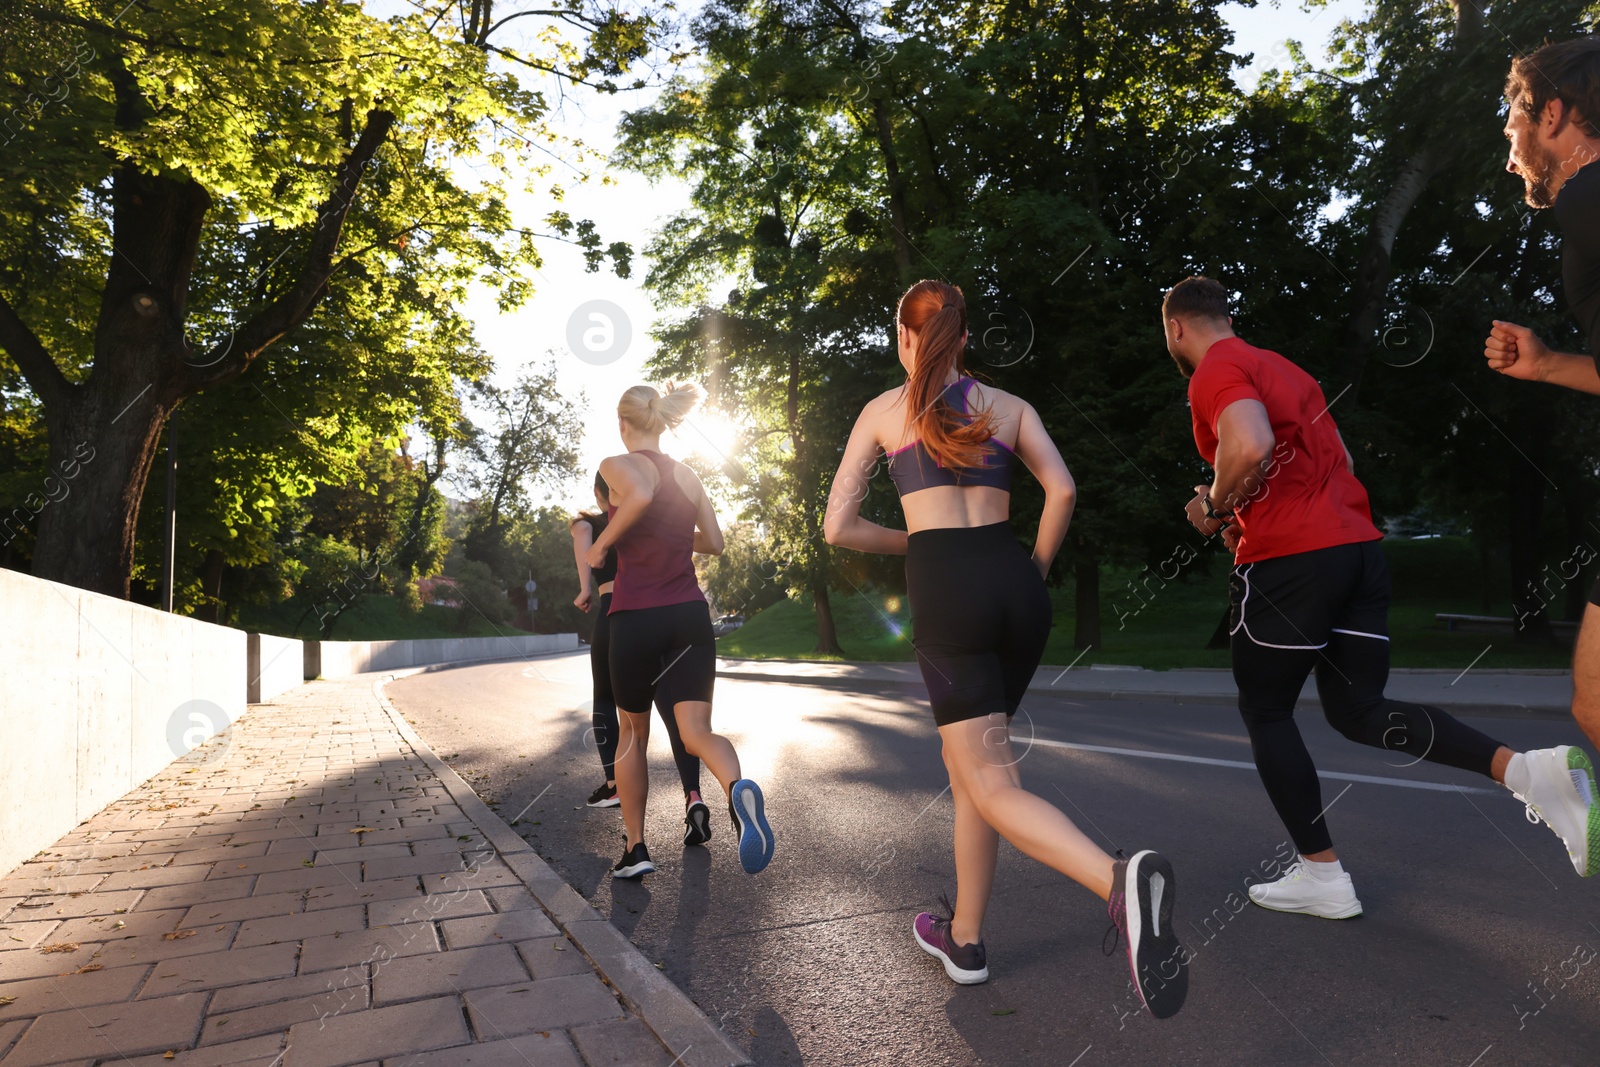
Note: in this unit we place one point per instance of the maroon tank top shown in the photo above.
(655, 557)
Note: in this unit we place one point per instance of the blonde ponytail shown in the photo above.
(651, 412)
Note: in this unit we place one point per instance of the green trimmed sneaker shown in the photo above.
(1561, 794)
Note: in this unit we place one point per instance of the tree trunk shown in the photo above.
(1525, 497)
(1484, 572)
(143, 364)
(210, 609)
(827, 635)
(897, 197)
(1369, 291)
(117, 415)
(86, 538)
(1370, 288)
(407, 556)
(1086, 602)
(1221, 637)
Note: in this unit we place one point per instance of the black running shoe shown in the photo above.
(634, 862)
(1142, 891)
(697, 824)
(604, 797)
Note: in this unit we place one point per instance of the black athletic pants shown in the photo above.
(606, 729)
(1328, 611)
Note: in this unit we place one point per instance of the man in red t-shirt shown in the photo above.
(1310, 591)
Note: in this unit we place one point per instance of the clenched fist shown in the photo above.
(1516, 352)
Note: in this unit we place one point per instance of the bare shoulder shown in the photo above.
(1007, 408)
(886, 401)
(629, 464)
(984, 397)
(885, 414)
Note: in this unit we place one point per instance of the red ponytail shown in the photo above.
(936, 314)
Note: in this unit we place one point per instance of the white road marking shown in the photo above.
(1208, 761)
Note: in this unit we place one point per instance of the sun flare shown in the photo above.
(710, 436)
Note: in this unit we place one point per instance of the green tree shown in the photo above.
(528, 442)
(783, 187)
(539, 547)
(483, 595)
(839, 151)
(187, 184)
(1426, 241)
(740, 579)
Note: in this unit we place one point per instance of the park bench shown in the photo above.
(1496, 624)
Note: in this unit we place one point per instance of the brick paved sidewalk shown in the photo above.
(315, 888)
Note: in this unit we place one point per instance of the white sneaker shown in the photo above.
(1561, 794)
(1304, 893)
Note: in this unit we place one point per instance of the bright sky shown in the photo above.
(630, 208)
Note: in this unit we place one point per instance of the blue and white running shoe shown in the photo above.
(750, 820)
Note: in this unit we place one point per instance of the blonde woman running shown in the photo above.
(662, 648)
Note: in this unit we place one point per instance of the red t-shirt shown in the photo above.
(1308, 498)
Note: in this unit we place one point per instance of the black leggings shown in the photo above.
(1328, 610)
(981, 616)
(606, 730)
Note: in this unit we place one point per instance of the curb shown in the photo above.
(1549, 712)
(667, 1010)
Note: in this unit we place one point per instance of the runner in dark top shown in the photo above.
(603, 718)
(662, 648)
(1310, 592)
(1554, 130)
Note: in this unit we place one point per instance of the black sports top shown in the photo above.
(912, 468)
(1578, 211)
(608, 572)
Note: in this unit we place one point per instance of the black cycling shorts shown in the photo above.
(665, 654)
(981, 616)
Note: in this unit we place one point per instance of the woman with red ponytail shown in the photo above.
(981, 615)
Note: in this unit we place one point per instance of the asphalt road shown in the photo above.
(1478, 947)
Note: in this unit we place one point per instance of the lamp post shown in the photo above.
(170, 521)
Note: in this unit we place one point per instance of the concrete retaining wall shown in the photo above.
(339, 659)
(275, 665)
(96, 696)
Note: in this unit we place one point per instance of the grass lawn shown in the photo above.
(1176, 620)
(372, 618)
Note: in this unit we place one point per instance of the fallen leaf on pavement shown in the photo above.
(177, 935)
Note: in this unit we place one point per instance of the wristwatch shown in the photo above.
(1224, 517)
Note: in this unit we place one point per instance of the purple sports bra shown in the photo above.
(912, 468)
